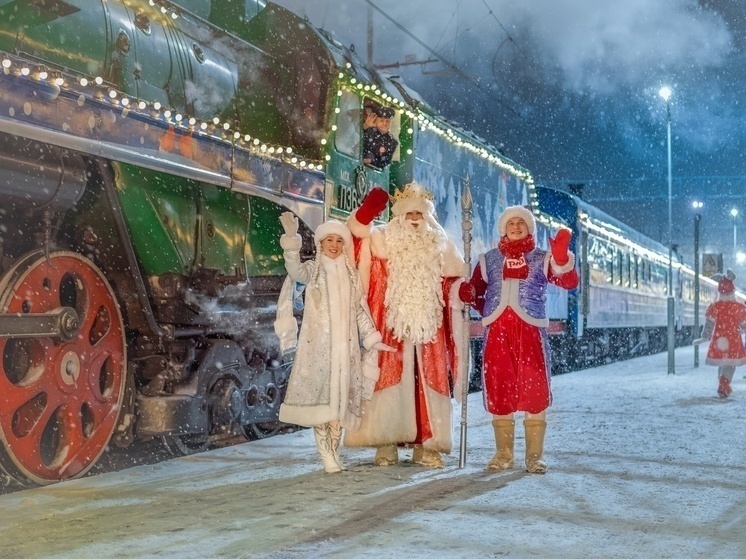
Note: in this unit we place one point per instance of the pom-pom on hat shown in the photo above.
(334, 227)
(412, 198)
(725, 282)
(517, 211)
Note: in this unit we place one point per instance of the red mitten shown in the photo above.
(373, 204)
(559, 245)
(467, 293)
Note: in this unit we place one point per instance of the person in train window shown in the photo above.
(379, 145)
(724, 321)
(330, 375)
(508, 287)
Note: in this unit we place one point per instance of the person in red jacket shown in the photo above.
(508, 287)
(725, 318)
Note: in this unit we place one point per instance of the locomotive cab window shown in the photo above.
(381, 126)
(349, 125)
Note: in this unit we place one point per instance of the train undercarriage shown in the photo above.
(93, 353)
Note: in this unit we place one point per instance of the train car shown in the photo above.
(620, 307)
(147, 148)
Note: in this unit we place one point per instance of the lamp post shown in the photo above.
(734, 213)
(665, 92)
(697, 218)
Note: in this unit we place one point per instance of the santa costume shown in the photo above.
(410, 271)
(724, 321)
(329, 374)
(508, 287)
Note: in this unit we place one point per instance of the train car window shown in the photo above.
(610, 267)
(597, 261)
(619, 267)
(349, 123)
(662, 279)
(627, 270)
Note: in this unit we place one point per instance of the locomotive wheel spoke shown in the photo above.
(62, 398)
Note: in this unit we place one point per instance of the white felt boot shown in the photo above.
(335, 434)
(324, 444)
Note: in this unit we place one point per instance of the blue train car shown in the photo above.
(620, 307)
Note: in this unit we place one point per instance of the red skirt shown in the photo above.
(515, 376)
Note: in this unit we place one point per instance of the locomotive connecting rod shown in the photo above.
(62, 322)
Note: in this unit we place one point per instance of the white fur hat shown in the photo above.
(516, 211)
(334, 227)
(412, 198)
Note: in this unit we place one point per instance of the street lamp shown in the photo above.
(697, 218)
(665, 92)
(734, 213)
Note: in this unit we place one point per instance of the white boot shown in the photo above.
(535, 429)
(324, 444)
(335, 434)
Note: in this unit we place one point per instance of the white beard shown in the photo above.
(414, 294)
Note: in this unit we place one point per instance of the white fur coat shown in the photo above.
(327, 379)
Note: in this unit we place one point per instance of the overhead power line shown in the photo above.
(440, 57)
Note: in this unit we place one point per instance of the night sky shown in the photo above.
(569, 89)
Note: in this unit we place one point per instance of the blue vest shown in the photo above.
(532, 291)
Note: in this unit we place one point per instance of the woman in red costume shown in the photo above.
(508, 287)
(725, 318)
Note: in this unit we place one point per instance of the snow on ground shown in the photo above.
(641, 464)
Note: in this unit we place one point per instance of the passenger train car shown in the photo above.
(620, 307)
(147, 149)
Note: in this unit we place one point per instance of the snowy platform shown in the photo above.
(641, 464)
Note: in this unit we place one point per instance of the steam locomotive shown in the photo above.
(147, 149)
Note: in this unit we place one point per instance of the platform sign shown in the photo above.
(712, 263)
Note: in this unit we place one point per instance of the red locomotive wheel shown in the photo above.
(60, 400)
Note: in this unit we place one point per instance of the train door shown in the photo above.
(345, 173)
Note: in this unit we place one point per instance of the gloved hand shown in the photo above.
(380, 346)
(699, 341)
(467, 293)
(373, 204)
(289, 223)
(560, 245)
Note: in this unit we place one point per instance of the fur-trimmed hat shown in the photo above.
(725, 282)
(412, 198)
(516, 211)
(334, 227)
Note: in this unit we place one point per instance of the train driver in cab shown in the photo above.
(508, 287)
(379, 145)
